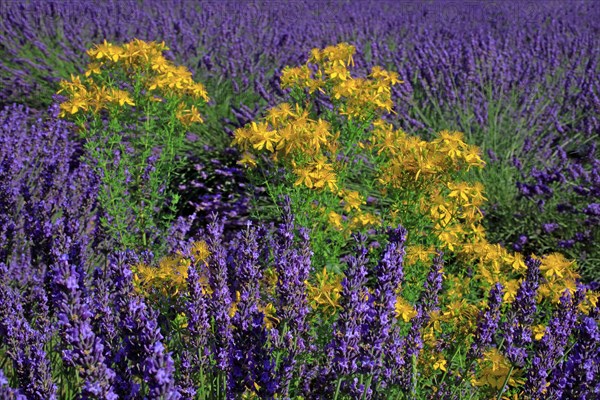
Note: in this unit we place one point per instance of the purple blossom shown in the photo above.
(251, 361)
(220, 302)
(293, 266)
(517, 328)
(82, 348)
(8, 393)
(384, 337)
(355, 316)
(25, 345)
(552, 346)
(488, 323)
(578, 377)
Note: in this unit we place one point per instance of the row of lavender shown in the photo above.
(110, 335)
(521, 79)
(458, 54)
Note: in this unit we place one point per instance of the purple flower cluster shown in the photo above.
(347, 348)
(488, 323)
(552, 346)
(292, 264)
(517, 328)
(8, 393)
(565, 186)
(251, 362)
(40, 170)
(578, 377)
(384, 335)
(82, 348)
(452, 56)
(25, 344)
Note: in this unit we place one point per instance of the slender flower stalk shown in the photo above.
(552, 346)
(488, 324)
(82, 348)
(517, 328)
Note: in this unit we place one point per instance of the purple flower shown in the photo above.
(82, 348)
(345, 348)
(552, 346)
(195, 356)
(25, 345)
(578, 377)
(432, 287)
(488, 323)
(383, 336)
(220, 302)
(143, 347)
(293, 266)
(251, 362)
(8, 393)
(517, 328)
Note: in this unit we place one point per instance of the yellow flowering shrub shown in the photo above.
(133, 108)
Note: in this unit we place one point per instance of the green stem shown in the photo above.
(367, 386)
(413, 388)
(505, 382)
(338, 387)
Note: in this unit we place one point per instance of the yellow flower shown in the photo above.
(555, 264)
(538, 331)
(234, 304)
(160, 64)
(74, 105)
(516, 261)
(459, 190)
(263, 138)
(188, 116)
(121, 97)
(353, 200)
(93, 68)
(248, 160)
(510, 289)
(304, 177)
(404, 309)
(279, 113)
(200, 250)
(496, 369)
(105, 50)
(440, 363)
(326, 291)
(419, 252)
(335, 220)
(270, 316)
(291, 77)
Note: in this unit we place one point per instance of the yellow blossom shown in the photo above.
(404, 309)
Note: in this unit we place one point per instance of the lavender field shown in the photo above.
(299, 199)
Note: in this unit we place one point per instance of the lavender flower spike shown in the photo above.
(8, 393)
(488, 323)
(517, 329)
(552, 346)
(86, 349)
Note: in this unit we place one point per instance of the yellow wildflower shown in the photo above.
(404, 309)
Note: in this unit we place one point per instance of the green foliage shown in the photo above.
(133, 113)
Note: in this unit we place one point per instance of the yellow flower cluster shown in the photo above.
(495, 369)
(169, 277)
(289, 134)
(325, 292)
(136, 59)
(426, 181)
(359, 98)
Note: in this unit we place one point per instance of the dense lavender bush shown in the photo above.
(43, 184)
